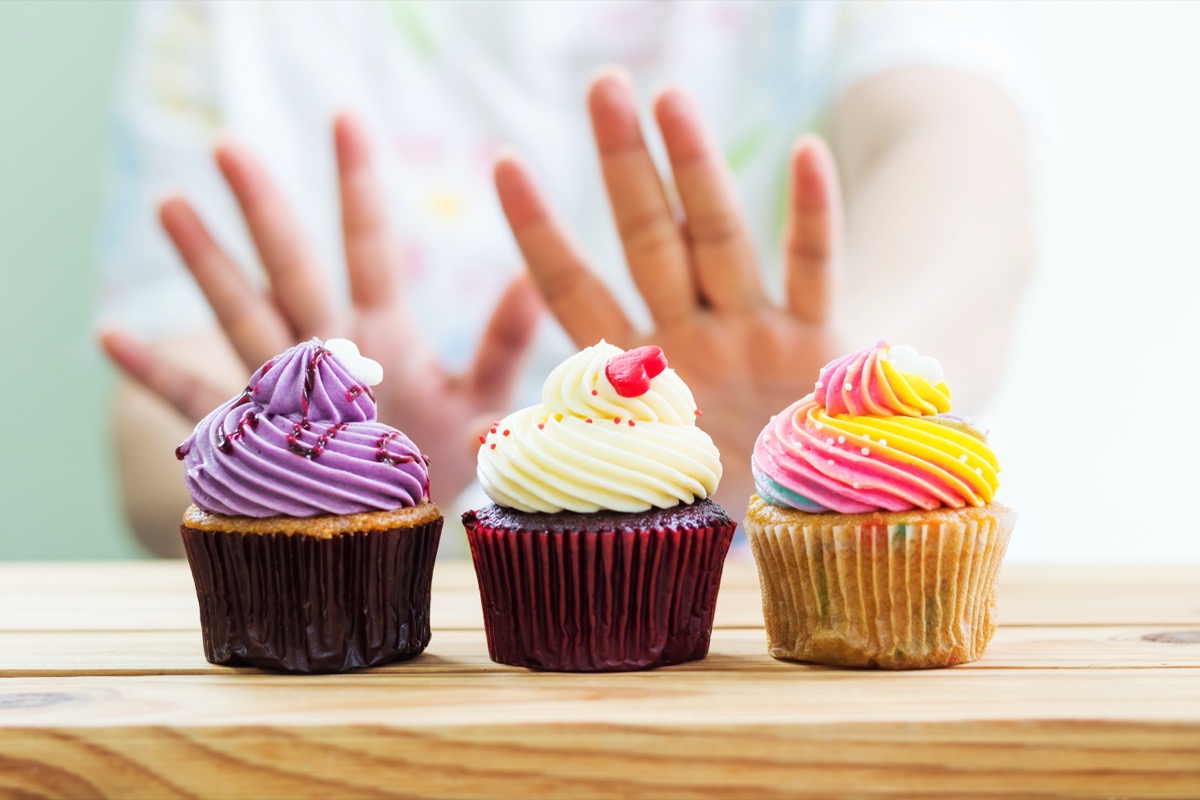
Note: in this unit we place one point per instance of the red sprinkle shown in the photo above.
(493, 446)
(616, 420)
(589, 419)
(631, 423)
(506, 431)
(482, 438)
(541, 425)
(493, 430)
(594, 392)
(698, 413)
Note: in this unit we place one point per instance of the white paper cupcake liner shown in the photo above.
(909, 590)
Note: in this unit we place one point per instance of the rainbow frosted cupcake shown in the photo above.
(601, 551)
(874, 530)
(311, 537)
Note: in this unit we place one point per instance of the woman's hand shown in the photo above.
(440, 410)
(744, 357)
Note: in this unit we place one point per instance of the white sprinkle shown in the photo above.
(830, 462)
(866, 438)
(818, 425)
(866, 451)
(820, 384)
(963, 458)
(849, 387)
(841, 440)
(773, 416)
(979, 471)
(883, 442)
(829, 441)
(855, 485)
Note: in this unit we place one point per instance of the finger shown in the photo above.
(811, 238)
(372, 258)
(653, 243)
(578, 300)
(254, 328)
(188, 393)
(722, 255)
(506, 341)
(293, 271)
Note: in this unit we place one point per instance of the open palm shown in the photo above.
(418, 395)
(744, 357)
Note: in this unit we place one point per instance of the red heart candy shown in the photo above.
(630, 373)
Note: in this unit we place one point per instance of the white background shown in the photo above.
(1096, 425)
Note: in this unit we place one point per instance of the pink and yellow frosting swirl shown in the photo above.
(875, 435)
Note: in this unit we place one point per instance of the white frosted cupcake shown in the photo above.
(601, 550)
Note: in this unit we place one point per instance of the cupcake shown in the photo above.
(601, 550)
(311, 537)
(874, 530)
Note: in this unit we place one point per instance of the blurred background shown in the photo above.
(1091, 425)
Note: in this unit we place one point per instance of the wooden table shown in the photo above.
(1091, 687)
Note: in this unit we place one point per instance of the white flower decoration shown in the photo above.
(368, 371)
(907, 360)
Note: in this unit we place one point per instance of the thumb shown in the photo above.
(506, 341)
(187, 392)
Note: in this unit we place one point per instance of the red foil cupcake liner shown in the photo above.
(605, 601)
(298, 603)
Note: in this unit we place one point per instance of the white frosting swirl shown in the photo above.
(586, 448)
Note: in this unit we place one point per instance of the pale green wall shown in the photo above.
(57, 495)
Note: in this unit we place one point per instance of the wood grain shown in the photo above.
(1059, 759)
(1090, 688)
(51, 653)
(800, 695)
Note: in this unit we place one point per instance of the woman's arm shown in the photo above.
(938, 217)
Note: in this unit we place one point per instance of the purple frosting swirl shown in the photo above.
(301, 440)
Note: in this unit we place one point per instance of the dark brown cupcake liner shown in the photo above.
(605, 601)
(299, 603)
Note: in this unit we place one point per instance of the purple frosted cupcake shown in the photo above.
(601, 550)
(311, 537)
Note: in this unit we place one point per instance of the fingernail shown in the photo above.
(170, 208)
(614, 72)
(505, 175)
(507, 153)
(611, 84)
(676, 102)
(508, 170)
(226, 146)
(346, 117)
